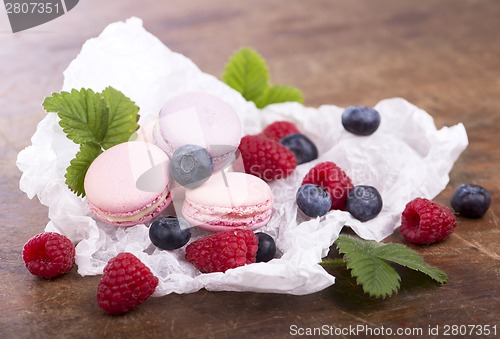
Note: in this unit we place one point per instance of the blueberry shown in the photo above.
(267, 247)
(364, 202)
(166, 233)
(191, 165)
(313, 200)
(303, 148)
(471, 201)
(360, 120)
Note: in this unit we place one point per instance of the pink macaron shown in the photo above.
(228, 201)
(128, 183)
(201, 119)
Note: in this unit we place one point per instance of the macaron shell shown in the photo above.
(229, 200)
(111, 182)
(230, 189)
(200, 119)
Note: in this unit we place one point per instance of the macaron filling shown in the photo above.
(220, 218)
(141, 215)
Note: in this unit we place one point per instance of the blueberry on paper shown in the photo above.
(360, 120)
(166, 233)
(303, 148)
(267, 247)
(191, 165)
(471, 201)
(313, 200)
(364, 202)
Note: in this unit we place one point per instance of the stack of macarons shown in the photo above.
(130, 183)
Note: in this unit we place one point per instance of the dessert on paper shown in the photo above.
(405, 157)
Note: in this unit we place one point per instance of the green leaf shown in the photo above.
(246, 72)
(377, 277)
(404, 256)
(122, 119)
(368, 261)
(96, 121)
(278, 94)
(78, 167)
(84, 114)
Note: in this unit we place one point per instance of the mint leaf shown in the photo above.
(122, 118)
(368, 261)
(278, 94)
(75, 173)
(84, 114)
(246, 72)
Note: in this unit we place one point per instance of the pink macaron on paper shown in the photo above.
(201, 119)
(228, 201)
(128, 183)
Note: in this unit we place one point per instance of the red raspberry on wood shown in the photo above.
(125, 283)
(426, 222)
(49, 255)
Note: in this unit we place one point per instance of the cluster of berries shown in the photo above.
(217, 252)
(275, 153)
(327, 187)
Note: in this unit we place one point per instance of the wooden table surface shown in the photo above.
(443, 56)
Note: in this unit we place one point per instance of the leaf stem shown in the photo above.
(333, 262)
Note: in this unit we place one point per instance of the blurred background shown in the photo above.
(339, 52)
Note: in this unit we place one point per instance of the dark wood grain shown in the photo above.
(443, 56)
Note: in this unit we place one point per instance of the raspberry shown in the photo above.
(49, 254)
(221, 251)
(331, 177)
(279, 129)
(126, 282)
(266, 158)
(426, 222)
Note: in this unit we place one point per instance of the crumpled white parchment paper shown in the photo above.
(405, 158)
